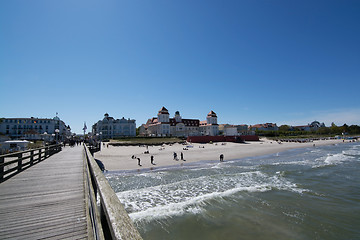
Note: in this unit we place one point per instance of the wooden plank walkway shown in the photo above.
(46, 201)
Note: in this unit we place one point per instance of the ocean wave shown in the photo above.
(187, 196)
(352, 152)
(332, 160)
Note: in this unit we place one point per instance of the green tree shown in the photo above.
(323, 131)
(335, 129)
(344, 128)
(284, 128)
(354, 129)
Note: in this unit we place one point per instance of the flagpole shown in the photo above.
(84, 130)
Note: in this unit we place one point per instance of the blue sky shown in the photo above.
(288, 62)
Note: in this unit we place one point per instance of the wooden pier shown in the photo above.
(55, 199)
(46, 200)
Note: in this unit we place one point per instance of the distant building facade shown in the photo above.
(264, 127)
(35, 128)
(163, 125)
(315, 125)
(109, 127)
(234, 130)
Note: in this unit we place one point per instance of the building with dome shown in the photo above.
(109, 127)
(35, 128)
(163, 125)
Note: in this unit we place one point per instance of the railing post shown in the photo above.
(38, 155)
(31, 157)
(19, 162)
(51, 150)
(2, 160)
(47, 152)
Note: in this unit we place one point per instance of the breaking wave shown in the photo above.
(188, 196)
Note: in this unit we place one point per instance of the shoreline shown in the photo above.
(119, 159)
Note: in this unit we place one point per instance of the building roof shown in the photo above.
(264, 125)
(186, 122)
(211, 114)
(163, 110)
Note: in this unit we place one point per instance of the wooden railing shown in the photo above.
(109, 218)
(13, 163)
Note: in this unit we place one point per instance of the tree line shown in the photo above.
(333, 130)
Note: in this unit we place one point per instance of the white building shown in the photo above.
(35, 128)
(210, 127)
(13, 146)
(111, 128)
(234, 130)
(315, 125)
(163, 125)
(264, 127)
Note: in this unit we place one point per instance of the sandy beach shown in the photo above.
(118, 158)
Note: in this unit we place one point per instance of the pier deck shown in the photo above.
(46, 201)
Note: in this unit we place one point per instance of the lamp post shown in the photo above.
(45, 137)
(57, 135)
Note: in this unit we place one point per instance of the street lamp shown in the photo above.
(57, 133)
(45, 136)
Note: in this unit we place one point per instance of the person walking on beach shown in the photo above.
(175, 156)
(139, 162)
(221, 157)
(182, 156)
(152, 160)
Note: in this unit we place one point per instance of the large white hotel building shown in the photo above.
(34, 128)
(110, 127)
(163, 125)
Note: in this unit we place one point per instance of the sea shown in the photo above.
(307, 193)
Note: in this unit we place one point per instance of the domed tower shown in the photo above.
(163, 115)
(211, 118)
(178, 117)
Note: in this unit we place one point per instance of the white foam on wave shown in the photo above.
(300, 162)
(188, 196)
(352, 152)
(155, 175)
(332, 160)
(192, 205)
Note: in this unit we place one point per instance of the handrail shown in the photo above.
(116, 223)
(18, 160)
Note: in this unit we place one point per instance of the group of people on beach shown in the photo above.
(139, 160)
(174, 155)
(181, 156)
